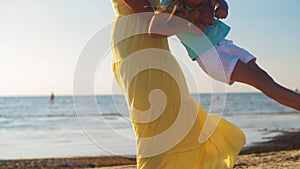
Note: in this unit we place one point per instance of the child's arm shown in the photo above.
(221, 11)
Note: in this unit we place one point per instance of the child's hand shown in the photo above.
(222, 10)
(221, 13)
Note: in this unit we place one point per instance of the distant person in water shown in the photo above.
(52, 97)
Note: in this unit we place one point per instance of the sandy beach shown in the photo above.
(282, 152)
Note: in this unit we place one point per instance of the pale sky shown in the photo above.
(41, 41)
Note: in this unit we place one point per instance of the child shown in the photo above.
(225, 62)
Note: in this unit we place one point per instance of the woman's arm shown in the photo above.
(139, 5)
(164, 25)
(161, 25)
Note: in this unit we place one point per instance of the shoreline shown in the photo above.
(283, 149)
(286, 141)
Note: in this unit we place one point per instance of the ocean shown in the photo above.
(35, 127)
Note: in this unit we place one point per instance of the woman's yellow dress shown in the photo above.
(172, 130)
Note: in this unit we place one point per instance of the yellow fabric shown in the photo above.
(167, 121)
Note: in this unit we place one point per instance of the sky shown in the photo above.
(41, 42)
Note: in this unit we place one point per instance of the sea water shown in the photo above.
(35, 127)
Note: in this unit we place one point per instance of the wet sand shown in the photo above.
(282, 152)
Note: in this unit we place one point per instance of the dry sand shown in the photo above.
(282, 152)
(289, 159)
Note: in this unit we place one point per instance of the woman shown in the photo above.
(168, 123)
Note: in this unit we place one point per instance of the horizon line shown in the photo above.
(68, 95)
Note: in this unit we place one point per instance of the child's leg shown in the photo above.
(253, 75)
(239, 65)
